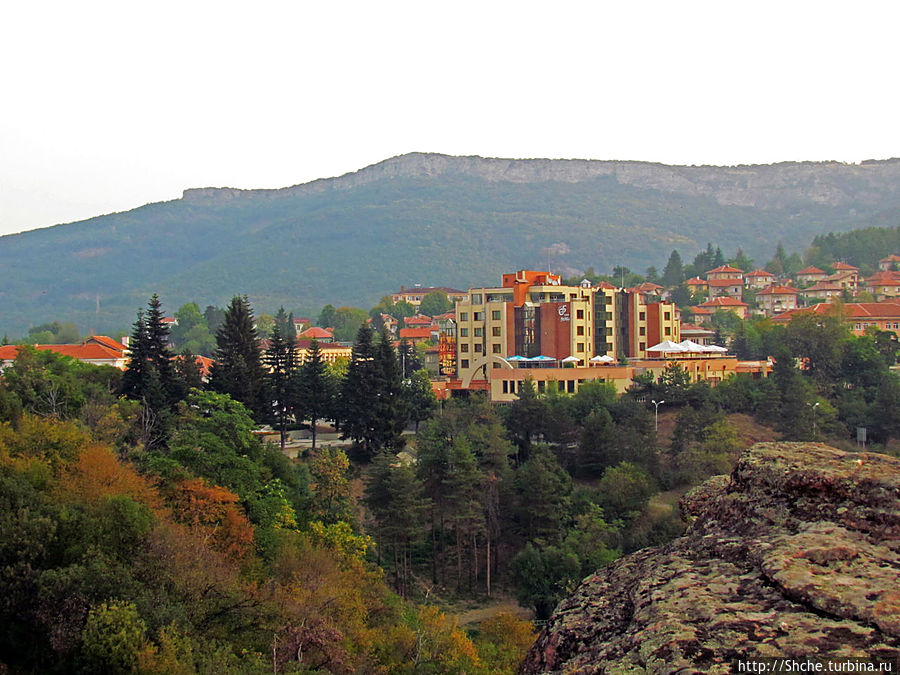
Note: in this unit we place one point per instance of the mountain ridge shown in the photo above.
(653, 175)
(423, 218)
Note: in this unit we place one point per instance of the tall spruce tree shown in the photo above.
(238, 370)
(315, 389)
(390, 402)
(281, 360)
(358, 416)
(673, 274)
(150, 377)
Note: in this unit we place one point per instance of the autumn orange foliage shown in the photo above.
(215, 511)
(98, 473)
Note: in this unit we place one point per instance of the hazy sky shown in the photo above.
(108, 106)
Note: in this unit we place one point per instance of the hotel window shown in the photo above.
(464, 347)
(642, 316)
(667, 316)
(570, 386)
(479, 332)
(495, 314)
(478, 348)
(668, 331)
(476, 298)
(463, 332)
(579, 313)
(579, 347)
(579, 330)
(495, 349)
(463, 316)
(542, 386)
(642, 331)
(505, 386)
(495, 331)
(464, 363)
(642, 346)
(478, 316)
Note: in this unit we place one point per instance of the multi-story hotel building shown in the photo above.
(532, 314)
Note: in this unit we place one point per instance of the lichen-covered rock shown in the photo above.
(796, 555)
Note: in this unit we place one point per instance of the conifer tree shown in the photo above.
(285, 323)
(673, 274)
(281, 360)
(315, 389)
(238, 369)
(395, 497)
(390, 403)
(357, 414)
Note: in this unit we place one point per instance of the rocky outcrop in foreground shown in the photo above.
(796, 554)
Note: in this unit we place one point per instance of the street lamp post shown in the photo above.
(814, 406)
(656, 412)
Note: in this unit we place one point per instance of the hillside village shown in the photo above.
(536, 326)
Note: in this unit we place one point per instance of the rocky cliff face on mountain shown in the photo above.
(762, 186)
(795, 555)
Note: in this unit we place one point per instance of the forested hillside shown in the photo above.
(425, 219)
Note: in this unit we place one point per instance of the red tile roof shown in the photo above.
(418, 320)
(821, 286)
(843, 266)
(90, 351)
(722, 283)
(648, 287)
(416, 333)
(317, 333)
(604, 284)
(850, 310)
(759, 273)
(725, 268)
(696, 281)
(811, 270)
(884, 279)
(108, 342)
(723, 302)
(778, 290)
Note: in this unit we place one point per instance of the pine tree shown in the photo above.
(315, 389)
(150, 377)
(281, 360)
(673, 274)
(238, 369)
(285, 323)
(135, 376)
(390, 402)
(158, 350)
(357, 410)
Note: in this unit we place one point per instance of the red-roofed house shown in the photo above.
(810, 275)
(317, 333)
(847, 279)
(418, 321)
(843, 267)
(90, 351)
(777, 299)
(697, 285)
(725, 272)
(857, 315)
(733, 288)
(726, 303)
(758, 279)
(821, 291)
(884, 285)
(418, 334)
